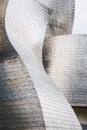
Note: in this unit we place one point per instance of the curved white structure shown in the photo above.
(26, 24)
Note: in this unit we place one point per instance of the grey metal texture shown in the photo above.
(65, 61)
(20, 107)
(26, 24)
(61, 20)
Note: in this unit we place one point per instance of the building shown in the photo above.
(65, 61)
(29, 99)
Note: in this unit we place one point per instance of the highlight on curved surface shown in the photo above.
(65, 61)
(19, 103)
(26, 23)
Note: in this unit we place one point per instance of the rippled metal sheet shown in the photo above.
(26, 24)
(65, 61)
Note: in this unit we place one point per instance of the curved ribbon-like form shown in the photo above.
(26, 24)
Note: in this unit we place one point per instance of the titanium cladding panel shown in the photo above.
(19, 103)
(26, 31)
(65, 61)
(61, 20)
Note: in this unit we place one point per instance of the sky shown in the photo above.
(80, 20)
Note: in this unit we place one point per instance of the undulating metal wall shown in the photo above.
(59, 67)
(26, 24)
(20, 107)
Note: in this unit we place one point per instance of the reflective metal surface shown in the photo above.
(65, 61)
(61, 20)
(26, 24)
(20, 107)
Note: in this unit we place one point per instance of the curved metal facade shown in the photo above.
(65, 61)
(19, 103)
(26, 24)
